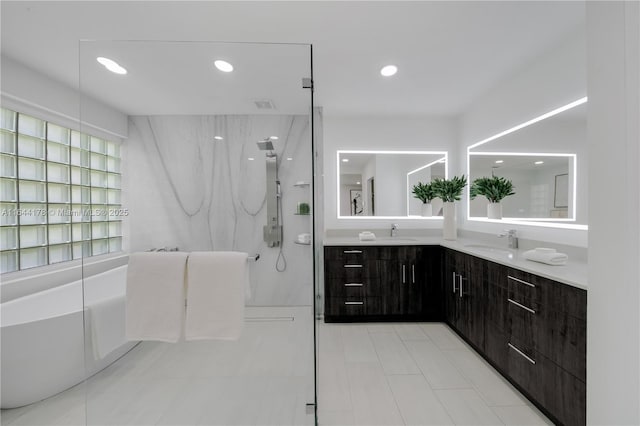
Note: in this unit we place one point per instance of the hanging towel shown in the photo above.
(107, 325)
(546, 255)
(155, 296)
(215, 295)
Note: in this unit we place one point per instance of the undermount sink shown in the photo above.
(398, 239)
(491, 249)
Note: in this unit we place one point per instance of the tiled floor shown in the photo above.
(411, 374)
(265, 378)
(370, 374)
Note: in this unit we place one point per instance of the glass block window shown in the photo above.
(59, 193)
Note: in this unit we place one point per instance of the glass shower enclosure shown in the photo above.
(214, 160)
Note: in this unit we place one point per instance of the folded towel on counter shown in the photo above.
(367, 236)
(107, 318)
(215, 295)
(546, 255)
(155, 296)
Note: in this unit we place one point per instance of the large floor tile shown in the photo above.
(435, 366)
(491, 386)
(467, 408)
(393, 354)
(417, 402)
(372, 399)
(357, 344)
(443, 336)
(410, 331)
(335, 418)
(521, 416)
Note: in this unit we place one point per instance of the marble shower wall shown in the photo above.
(185, 189)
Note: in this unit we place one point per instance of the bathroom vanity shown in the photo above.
(527, 320)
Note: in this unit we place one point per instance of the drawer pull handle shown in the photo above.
(404, 274)
(460, 287)
(353, 266)
(520, 281)
(532, 361)
(352, 251)
(521, 306)
(454, 282)
(353, 285)
(354, 303)
(413, 274)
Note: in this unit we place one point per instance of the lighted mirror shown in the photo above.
(534, 172)
(379, 184)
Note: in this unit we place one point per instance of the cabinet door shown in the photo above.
(496, 315)
(425, 289)
(450, 290)
(472, 303)
(391, 285)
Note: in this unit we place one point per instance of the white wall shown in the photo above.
(30, 92)
(379, 133)
(613, 315)
(550, 81)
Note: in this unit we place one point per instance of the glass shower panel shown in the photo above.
(204, 168)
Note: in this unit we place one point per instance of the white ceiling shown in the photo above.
(448, 53)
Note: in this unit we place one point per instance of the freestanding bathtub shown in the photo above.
(44, 342)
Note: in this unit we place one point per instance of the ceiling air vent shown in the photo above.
(264, 104)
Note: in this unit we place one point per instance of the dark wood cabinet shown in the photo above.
(465, 295)
(530, 328)
(496, 339)
(383, 283)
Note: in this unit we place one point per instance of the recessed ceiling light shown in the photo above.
(218, 138)
(539, 162)
(345, 160)
(389, 70)
(111, 65)
(499, 161)
(223, 66)
(357, 183)
(250, 158)
(289, 158)
(275, 138)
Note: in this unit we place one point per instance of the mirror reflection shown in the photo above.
(545, 163)
(380, 183)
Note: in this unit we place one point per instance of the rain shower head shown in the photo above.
(265, 145)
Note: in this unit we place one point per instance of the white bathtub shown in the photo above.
(43, 339)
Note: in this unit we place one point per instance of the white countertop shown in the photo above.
(574, 273)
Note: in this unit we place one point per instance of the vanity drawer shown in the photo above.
(523, 290)
(353, 306)
(351, 272)
(356, 288)
(563, 339)
(350, 254)
(522, 328)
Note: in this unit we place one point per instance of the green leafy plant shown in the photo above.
(449, 190)
(423, 192)
(494, 188)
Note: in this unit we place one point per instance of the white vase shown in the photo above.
(427, 210)
(494, 210)
(449, 229)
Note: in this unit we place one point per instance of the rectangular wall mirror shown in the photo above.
(545, 161)
(379, 184)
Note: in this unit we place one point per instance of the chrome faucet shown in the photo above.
(394, 229)
(513, 239)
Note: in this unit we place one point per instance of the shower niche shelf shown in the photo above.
(302, 244)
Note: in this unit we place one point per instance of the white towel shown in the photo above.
(548, 256)
(367, 236)
(215, 295)
(107, 325)
(155, 296)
